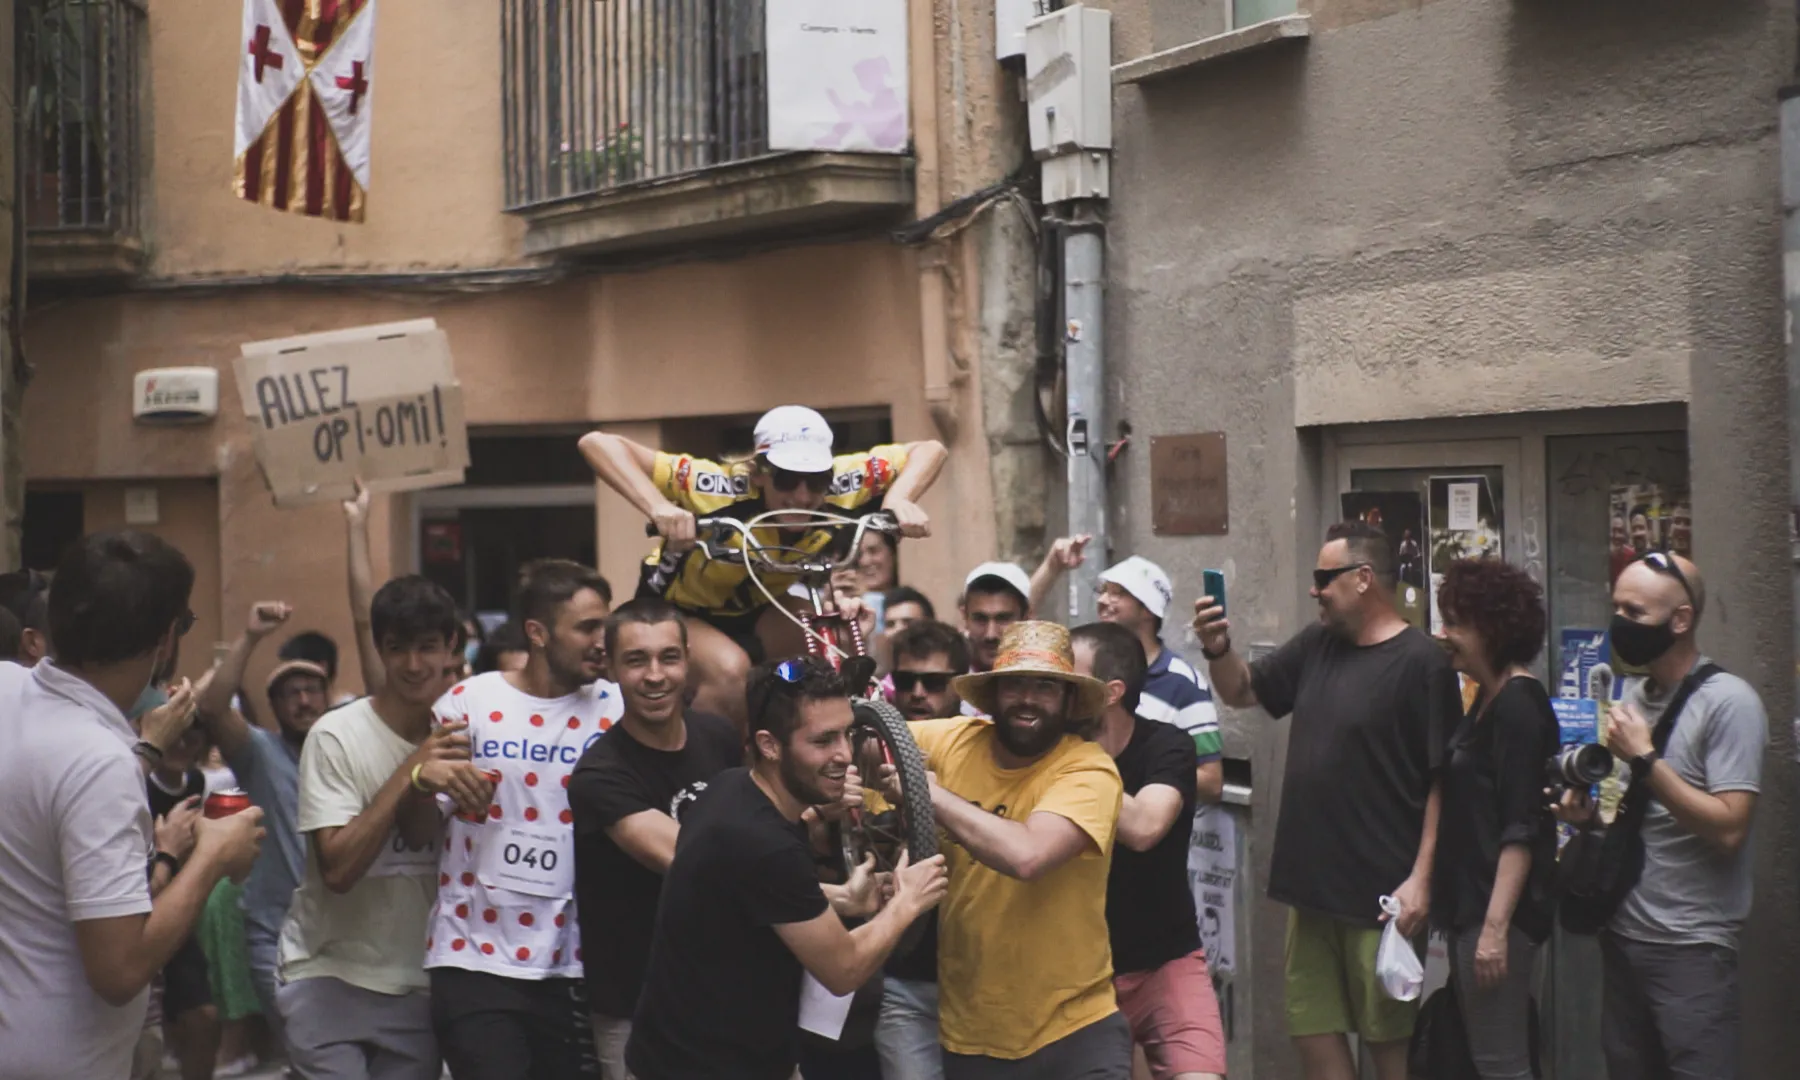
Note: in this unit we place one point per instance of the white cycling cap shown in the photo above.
(795, 438)
(1145, 581)
(1004, 572)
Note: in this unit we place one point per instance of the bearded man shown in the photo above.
(1031, 801)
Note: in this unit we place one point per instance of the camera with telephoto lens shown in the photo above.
(1580, 766)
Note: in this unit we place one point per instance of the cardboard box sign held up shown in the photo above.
(377, 402)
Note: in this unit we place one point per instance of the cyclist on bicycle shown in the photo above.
(732, 623)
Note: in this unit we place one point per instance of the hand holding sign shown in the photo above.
(379, 403)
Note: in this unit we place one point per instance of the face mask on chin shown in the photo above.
(1639, 643)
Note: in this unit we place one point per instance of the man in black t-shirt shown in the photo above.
(743, 915)
(1159, 968)
(627, 795)
(1373, 701)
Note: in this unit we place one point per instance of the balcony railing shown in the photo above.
(81, 134)
(601, 94)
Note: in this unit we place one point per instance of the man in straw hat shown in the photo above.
(1031, 801)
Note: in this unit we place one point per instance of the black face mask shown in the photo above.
(1639, 643)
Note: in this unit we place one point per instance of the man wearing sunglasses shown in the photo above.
(1670, 955)
(731, 623)
(1373, 702)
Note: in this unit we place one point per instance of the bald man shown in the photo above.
(1670, 1008)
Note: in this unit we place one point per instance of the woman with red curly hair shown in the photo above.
(1496, 851)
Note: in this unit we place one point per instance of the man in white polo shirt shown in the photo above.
(80, 939)
(353, 986)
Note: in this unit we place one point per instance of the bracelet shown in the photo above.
(164, 857)
(148, 749)
(1220, 655)
(418, 787)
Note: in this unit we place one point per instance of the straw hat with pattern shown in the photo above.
(1038, 649)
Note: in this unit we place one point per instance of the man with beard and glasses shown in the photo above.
(353, 991)
(504, 948)
(1670, 954)
(743, 915)
(267, 766)
(927, 656)
(1024, 967)
(629, 793)
(1374, 702)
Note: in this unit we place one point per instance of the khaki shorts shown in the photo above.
(1331, 983)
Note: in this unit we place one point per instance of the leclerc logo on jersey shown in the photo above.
(532, 749)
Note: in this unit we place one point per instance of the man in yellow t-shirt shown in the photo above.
(1024, 964)
(731, 622)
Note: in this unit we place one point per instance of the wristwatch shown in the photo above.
(1643, 763)
(1220, 655)
(174, 864)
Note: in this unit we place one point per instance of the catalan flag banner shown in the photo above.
(306, 69)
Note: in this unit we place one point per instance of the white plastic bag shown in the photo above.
(1397, 965)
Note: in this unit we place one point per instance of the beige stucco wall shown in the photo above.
(434, 193)
(832, 325)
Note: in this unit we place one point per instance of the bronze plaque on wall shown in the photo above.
(1187, 485)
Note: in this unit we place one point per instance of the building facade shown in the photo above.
(584, 197)
(1522, 254)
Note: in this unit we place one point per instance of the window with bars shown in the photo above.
(81, 139)
(600, 94)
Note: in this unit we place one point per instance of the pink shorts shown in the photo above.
(1174, 1017)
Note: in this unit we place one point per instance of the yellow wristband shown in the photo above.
(418, 787)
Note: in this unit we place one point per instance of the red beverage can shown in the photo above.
(222, 804)
(493, 776)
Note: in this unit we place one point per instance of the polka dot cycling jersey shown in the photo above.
(505, 902)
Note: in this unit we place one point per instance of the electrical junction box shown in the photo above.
(183, 395)
(1010, 17)
(1068, 81)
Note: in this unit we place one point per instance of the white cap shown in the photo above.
(1145, 581)
(795, 438)
(1006, 572)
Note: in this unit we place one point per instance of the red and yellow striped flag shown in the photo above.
(305, 74)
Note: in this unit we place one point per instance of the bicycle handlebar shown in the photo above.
(720, 528)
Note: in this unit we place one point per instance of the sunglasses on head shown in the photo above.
(934, 682)
(1323, 578)
(1664, 563)
(788, 482)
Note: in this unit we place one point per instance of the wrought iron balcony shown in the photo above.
(81, 137)
(632, 123)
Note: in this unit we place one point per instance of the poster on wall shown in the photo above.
(1463, 522)
(1401, 515)
(1646, 518)
(837, 75)
(1212, 872)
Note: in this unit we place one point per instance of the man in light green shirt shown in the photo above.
(353, 986)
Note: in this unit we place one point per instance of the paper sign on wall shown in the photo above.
(837, 75)
(1212, 874)
(1464, 498)
(377, 402)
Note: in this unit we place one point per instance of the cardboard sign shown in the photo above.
(377, 402)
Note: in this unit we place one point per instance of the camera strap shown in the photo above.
(1637, 797)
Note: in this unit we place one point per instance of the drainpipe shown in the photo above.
(1084, 360)
(1790, 266)
(934, 319)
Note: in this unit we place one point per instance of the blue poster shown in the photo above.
(1582, 652)
(1579, 719)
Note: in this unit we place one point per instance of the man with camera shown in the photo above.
(1694, 736)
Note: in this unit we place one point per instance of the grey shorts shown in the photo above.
(1668, 1012)
(336, 1031)
(1100, 1051)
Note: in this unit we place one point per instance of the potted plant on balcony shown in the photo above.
(616, 159)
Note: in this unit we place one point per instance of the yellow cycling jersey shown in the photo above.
(708, 489)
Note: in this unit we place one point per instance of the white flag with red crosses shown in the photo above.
(305, 72)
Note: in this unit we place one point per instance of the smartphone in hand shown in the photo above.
(1212, 583)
